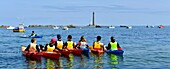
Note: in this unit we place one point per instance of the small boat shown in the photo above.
(53, 55)
(161, 26)
(10, 27)
(19, 29)
(111, 27)
(65, 28)
(56, 27)
(76, 51)
(129, 27)
(116, 52)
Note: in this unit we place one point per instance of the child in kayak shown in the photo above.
(69, 44)
(113, 45)
(97, 45)
(82, 44)
(33, 47)
(59, 44)
(50, 47)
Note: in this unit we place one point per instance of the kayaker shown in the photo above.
(50, 47)
(69, 44)
(113, 45)
(33, 34)
(33, 47)
(82, 44)
(59, 43)
(97, 45)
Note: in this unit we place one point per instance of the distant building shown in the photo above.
(93, 20)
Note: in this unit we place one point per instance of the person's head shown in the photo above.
(112, 39)
(33, 40)
(58, 36)
(83, 39)
(69, 37)
(53, 40)
(32, 31)
(99, 38)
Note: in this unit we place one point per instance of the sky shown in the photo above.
(79, 12)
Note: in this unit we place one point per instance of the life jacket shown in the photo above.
(32, 47)
(60, 44)
(97, 45)
(50, 49)
(113, 45)
(33, 34)
(70, 44)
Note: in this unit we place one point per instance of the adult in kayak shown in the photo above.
(113, 45)
(69, 44)
(97, 45)
(33, 47)
(33, 34)
(59, 43)
(82, 44)
(50, 47)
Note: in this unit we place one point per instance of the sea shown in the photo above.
(144, 48)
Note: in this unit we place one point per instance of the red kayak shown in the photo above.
(29, 55)
(76, 51)
(64, 53)
(53, 55)
(36, 55)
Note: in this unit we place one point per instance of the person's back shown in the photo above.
(33, 34)
(59, 43)
(97, 45)
(82, 44)
(50, 47)
(113, 45)
(69, 44)
(32, 47)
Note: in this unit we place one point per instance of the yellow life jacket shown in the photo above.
(70, 44)
(97, 45)
(50, 49)
(60, 44)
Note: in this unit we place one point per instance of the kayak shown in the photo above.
(25, 36)
(116, 52)
(64, 53)
(53, 55)
(36, 55)
(76, 51)
(97, 52)
(29, 55)
(36, 36)
(86, 52)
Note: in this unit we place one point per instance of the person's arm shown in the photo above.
(119, 48)
(45, 48)
(87, 46)
(27, 49)
(109, 47)
(65, 45)
(74, 45)
(93, 45)
(37, 48)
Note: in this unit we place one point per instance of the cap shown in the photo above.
(53, 40)
(58, 36)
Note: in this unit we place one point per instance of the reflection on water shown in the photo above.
(115, 59)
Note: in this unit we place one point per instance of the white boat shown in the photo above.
(111, 27)
(10, 27)
(65, 28)
(56, 27)
(129, 27)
